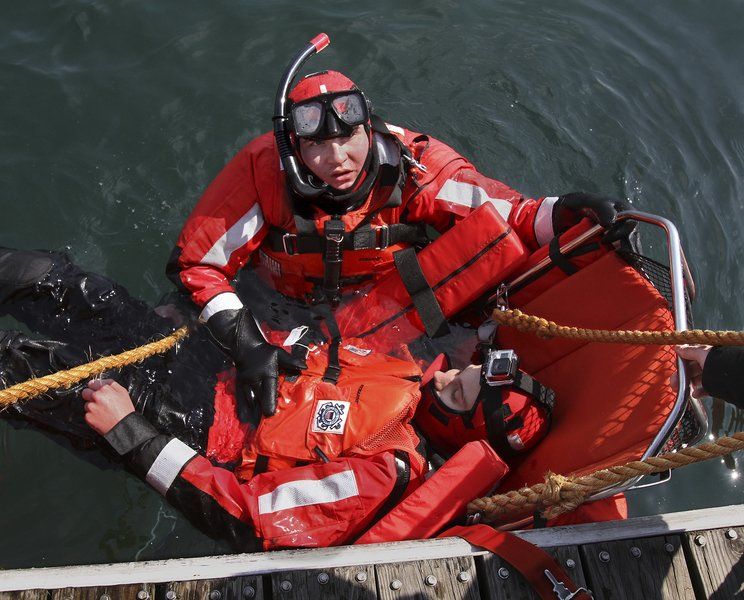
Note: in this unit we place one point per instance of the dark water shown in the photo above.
(117, 114)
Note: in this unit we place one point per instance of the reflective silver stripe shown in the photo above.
(309, 491)
(226, 301)
(395, 129)
(467, 194)
(168, 465)
(544, 221)
(236, 237)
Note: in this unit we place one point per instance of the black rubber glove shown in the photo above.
(569, 209)
(257, 362)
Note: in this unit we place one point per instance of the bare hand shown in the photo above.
(106, 403)
(695, 357)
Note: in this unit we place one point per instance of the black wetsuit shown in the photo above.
(82, 316)
(723, 374)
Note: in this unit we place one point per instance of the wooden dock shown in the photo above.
(693, 554)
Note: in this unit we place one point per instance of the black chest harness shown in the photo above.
(390, 159)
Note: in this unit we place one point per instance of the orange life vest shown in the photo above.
(474, 256)
(367, 411)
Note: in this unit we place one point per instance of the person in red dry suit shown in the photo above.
(339, 453)
(321, 206)
(346, 456)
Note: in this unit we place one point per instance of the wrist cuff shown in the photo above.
(132, 431)
(544, 231)
(223, 301)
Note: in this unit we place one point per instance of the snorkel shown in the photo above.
(281, 120)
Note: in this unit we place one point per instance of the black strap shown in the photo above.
(492, 398)
(366, 237)
(262, 463)
(554, 251)
(333, 370)
(421, 293)
(321, 455)
(495, 411)
(332, 259)
(532, 387)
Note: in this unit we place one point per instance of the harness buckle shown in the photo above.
(561, 591)
(289, 242)
(383, 237)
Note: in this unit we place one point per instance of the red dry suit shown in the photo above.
(246, 214)
(345, 454)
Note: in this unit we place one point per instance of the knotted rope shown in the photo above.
(65, 379)
(559, 494)
(548, 329)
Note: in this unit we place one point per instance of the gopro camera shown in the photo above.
(500, 367)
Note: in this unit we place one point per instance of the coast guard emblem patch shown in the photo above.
(330, 416)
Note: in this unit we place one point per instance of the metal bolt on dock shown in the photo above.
(430, 580)
(463, 576)
(215, 595)
(361, 577)
(396, 584)
(171, 595)
(286, 586)
(700, 540)
(249, 592)
(635, 552)
(570, 563)
(504, 573)
(604, 556)
(143, 595)
(323, 578)
(669, 547)
(731, 534)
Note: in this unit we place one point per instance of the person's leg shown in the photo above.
(94, 316)
(57, 299)
(61, 411)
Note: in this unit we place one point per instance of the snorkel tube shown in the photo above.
(281, 120)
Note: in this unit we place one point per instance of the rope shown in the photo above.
(65, 379)
(559, 494)
(548, 329)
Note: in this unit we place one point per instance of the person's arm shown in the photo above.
(320, 504)
(210, 497)
(219, 236)
(224, 229)
(451, 193)
(716, 371)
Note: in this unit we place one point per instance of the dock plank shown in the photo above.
(24, 595)
(659, 571)
(514, 586)
(234, 588)
(717, 564)
(134, 591)
(350, 583)
(453, 578)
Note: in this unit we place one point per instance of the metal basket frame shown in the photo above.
(681, 281)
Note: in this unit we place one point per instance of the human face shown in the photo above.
(458, 388)
(337, 161)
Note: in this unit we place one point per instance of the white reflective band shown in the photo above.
(236, 237)
(395, 129)
(309, 491)
(295, 335)
(467, 194)
(323, 88)
(226, 301)
(168, 465)
(544, 221)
